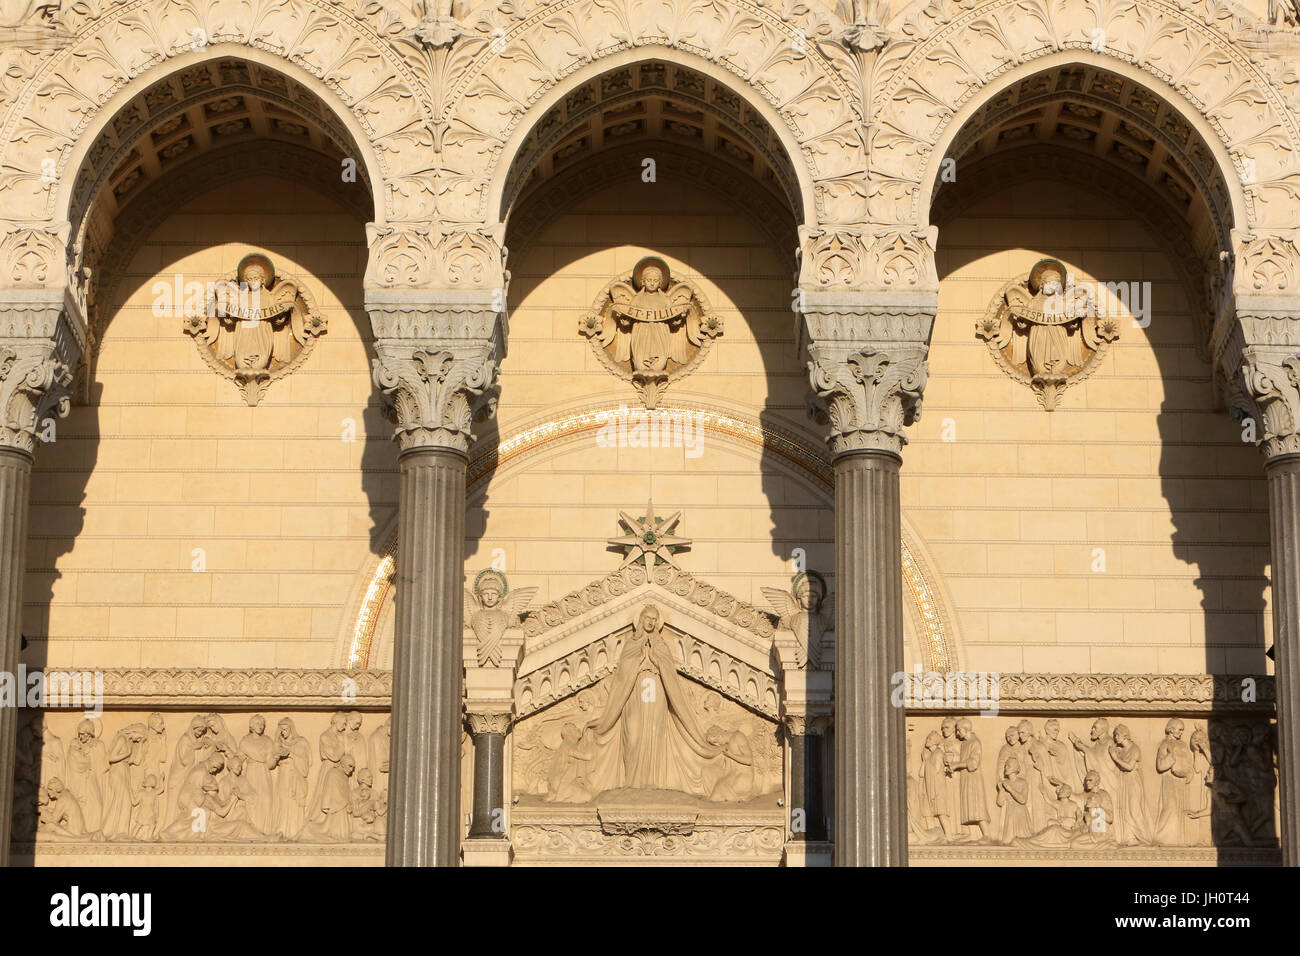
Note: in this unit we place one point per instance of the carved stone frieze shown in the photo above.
(713, 839)
(248, 687)
(1096, 784)
(197, 778)
(870, 395)
(612, 586)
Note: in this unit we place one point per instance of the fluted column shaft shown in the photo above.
(15, 491)
(424, 782)
(1283, 473)
(870, 794)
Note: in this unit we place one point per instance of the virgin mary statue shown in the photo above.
(647, 736)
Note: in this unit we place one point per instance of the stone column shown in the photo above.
(41, 339)
(870, 391)
(436, 363)
(1268, 401)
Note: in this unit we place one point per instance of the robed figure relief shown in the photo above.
(647, 732)
(1046, 332)
(650, 330)
(257, 327)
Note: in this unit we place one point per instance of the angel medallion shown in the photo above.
(650, 330)
(257, 327)
(491, 609)
(806, 615)
(1044, 334)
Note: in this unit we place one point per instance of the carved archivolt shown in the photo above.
(945, 54)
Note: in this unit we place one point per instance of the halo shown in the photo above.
(492, 573)
(811, 576)
(1041, 266)
(645, 264)
(264, 261)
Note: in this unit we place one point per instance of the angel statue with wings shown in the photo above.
(1046, 331)
(651, 329)
(256, 328)
(807, 613)
(491, 609)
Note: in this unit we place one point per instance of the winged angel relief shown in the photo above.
(256, 328)
(492, 609)
(806, 615)
(650, 331)
(1045, 332)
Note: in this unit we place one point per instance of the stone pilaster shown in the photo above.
(867, 367)
(41, 340)
(437, 357)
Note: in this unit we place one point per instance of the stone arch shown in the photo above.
(78, 91)
(802, 95)
(952, 67)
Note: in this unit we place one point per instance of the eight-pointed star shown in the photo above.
(650, 537)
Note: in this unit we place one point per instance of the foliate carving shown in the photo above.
(1267, 264)
(33, 384)
(33, 255)
(1043, 334)
(492, 610)
(434, 394)
(807, 614)
(870, 395)
(650, 329)
(897, 259)
(719, 841)
(147, 687)
(488, 723)
(415, 256)
(256, 327)
(705, 596)
(805, 725)
(1270, 386)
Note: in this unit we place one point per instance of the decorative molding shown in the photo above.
(242, 689)
(1119, 694)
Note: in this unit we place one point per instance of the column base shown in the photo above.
(807, 853)
(487, 852)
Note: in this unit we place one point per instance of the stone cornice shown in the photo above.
(244, 688)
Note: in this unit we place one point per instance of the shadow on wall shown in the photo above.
(60, 519)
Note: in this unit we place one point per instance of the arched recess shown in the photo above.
(215, 122)
(765, 59)
(368, 87)
(948, 68)
(1096, 128)
(931, 629)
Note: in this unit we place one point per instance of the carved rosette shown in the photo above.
(870, 395)
(435, 392)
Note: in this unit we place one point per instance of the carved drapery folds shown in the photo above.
(870, 394)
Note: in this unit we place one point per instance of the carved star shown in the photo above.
(650, 537)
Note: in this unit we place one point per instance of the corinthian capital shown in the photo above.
(41, 342)
(1268, 391)
(435, 391)
(870, 394)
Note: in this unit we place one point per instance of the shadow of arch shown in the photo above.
(1109, 134)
